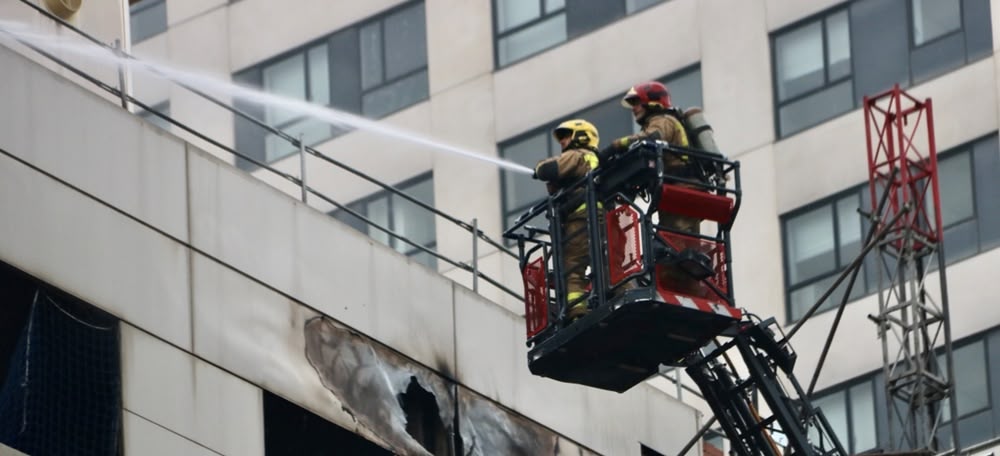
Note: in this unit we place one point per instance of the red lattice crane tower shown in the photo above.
(913, 318)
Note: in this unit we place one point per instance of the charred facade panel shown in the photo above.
(412, 408)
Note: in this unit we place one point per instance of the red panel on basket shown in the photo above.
(624, 245)
(536, 292)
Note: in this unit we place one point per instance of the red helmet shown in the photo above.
(649, 94)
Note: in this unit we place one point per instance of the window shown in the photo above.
(972, 393)
(813, 72)
(401, 217)
(851, 413)
(934, 19)
(290, 429)
(374, 68)
(520, 192)
(162, 108)
(820, 241)
(60, 371)
(857, 408)
(823, 238)
(526, 27)
(147, 18)
(826, 63)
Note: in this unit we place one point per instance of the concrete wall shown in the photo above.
(215, 274)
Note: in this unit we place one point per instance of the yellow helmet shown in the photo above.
(583, 133)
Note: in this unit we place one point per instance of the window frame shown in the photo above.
(970, 52)
(831, 202)
(822, 17)
(253, 75)
(912, 28)
(360, 206)
(141, 7)
(845, 388)
(544, 16)
(969, 148)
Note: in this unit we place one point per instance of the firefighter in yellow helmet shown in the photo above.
(578, 139)
(652, 110)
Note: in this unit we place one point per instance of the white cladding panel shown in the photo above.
(190, 397)
(147, 438)
(91, 144)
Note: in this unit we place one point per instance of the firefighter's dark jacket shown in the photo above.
(563, 171)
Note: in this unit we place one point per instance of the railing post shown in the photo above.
(302, 169)
(475, 255)
(121, 73)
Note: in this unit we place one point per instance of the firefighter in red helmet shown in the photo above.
(652, 110)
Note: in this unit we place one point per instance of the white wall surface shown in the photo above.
(219, 307)
(145, 437)
(189, 397)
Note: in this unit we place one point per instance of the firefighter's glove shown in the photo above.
(622, 143)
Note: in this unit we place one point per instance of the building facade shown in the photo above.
(781, 82)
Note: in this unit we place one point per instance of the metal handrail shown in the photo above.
(474, 230)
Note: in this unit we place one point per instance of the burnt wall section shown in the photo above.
(379, 388)
(368, 380)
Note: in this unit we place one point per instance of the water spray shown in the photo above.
(214, 84)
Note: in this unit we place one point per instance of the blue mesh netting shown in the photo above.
(62, 394)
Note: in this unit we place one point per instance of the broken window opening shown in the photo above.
(290, 429)
(423, 419)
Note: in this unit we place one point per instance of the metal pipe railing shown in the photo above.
(126, 99)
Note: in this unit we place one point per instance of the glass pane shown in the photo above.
(519, 189)
(511, 13)
(405, 42)
(971, 387)
(961, 241)
(540, 36)
(887, 25)
(411, 220)
(162, 108)
(147, 18)
(986, 167)
(371, 55)
(613, 120)
(284, 78)
(632, 6)
(805, 297)
(552, 6)
(377, 211)
(862, 418)
(319, 75)
(685, 89)
(809, 246)
(423, 258)
(393, 97)
(313, 132)
(934, 18)
(834, 407)
(816, 108)
(955, 181)
(849, 229)
(839, 44)
(584, 16)
(978, 29)
(799, 60)
(350, 220)
(937, 57)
